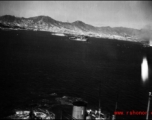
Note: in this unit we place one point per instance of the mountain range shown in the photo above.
(46, 23)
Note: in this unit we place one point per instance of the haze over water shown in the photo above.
(36, 62)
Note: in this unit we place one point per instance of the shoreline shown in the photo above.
(62, 34)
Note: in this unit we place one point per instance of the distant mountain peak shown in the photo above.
(78, 22)
(8, 16)
(43, 18)
(37, 17)
(47, 23)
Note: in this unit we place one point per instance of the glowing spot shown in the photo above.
(144, 69)
(150, 43)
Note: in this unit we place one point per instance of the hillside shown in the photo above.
(46, 23)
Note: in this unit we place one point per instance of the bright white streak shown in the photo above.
(150, 43)
(144, 69)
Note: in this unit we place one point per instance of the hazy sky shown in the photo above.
(134, 14)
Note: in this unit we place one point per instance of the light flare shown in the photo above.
(144, 69)
(150, 43)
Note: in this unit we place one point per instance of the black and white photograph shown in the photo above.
(76, 60)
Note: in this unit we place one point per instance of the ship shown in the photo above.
(69, 109)
(79, 38)
(80, 112)
(63, 108)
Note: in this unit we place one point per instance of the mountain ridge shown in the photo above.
(46, 23)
